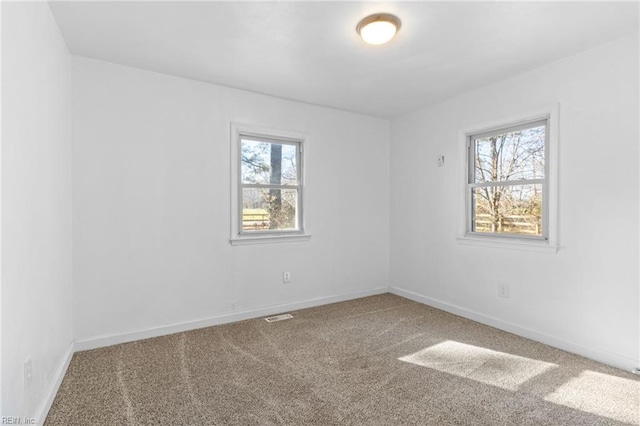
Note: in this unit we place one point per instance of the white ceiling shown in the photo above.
(310, 52)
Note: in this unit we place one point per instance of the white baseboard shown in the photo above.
(45, 406)
(606, 357)
(603, 356)
(115, 339)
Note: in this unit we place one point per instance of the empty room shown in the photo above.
(319, 213)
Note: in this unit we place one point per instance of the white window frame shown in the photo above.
(548, 242)
(240, 237)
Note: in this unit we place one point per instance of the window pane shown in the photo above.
(513, 209)
(264, 209)
(269, 163)
(510, 156)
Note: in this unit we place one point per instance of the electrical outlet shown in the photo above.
(503, 290)
(27, 373)
(286, 277)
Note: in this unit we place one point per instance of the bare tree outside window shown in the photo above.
(269, 173)
(507, 180)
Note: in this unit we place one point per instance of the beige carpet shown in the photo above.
(381, 360)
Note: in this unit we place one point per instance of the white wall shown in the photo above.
(586, 296)
(36, 204)
(151, 164)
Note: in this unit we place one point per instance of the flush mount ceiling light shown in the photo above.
(379, 28)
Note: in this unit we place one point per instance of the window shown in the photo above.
(268, 191)
(510, 182)
(269, 185)
(507, 185)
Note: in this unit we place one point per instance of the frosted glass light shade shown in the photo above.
(378, 29)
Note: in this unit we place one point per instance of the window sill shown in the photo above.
(269, 239)
(508, 243)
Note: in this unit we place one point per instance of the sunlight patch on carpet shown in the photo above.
(605, 395)
(480, 364)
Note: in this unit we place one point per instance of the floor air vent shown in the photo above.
(281, 317)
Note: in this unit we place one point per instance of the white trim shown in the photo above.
(551, 245)
(607, 357)
(268, 239)
(115, 339)
(237, 237)
(45, 406)
(600, 355)
(506, 183)
(522, 124)
(536, 245)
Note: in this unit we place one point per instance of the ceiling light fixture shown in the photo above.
(379, 28)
